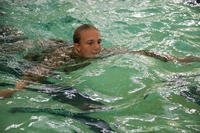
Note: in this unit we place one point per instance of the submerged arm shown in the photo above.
(35, 74)
(21, 84)
(166, 58)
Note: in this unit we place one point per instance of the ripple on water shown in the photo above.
(146, 95)
(39, 99)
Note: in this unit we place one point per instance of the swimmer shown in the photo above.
(87, 45)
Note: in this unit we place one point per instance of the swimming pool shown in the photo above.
(140, 94)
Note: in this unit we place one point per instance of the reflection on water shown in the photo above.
(139, 94)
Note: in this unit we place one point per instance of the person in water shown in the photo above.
(86, 45)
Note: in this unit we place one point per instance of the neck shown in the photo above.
(75, 54)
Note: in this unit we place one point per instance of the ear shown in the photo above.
(77, 47)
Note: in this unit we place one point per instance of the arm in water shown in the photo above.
(21, 84)
(63, 94)
(124, 50)
(26, 79)
(166, 58)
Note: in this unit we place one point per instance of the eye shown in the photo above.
(99, 41)
(90, 42)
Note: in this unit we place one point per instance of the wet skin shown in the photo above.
(89, 45)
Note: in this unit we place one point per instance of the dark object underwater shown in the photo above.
(96, 125)
(70, 96)
(193, 94)
(194, 2)
(13, 71)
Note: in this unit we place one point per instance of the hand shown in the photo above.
(189, 59)
(21, 84)
(7, 93)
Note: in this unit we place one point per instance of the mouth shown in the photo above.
(94, 55)
(96, 52)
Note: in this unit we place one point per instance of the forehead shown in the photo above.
(90, 34)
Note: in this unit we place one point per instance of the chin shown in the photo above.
(93, 56)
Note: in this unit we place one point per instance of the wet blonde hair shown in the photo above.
(77, 32)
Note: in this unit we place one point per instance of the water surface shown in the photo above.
(144, 94)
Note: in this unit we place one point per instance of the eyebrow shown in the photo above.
(93, 40)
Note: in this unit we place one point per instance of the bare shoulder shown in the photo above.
(45, 48)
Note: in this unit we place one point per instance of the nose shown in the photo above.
(97, 47)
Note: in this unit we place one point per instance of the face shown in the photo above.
(90, 44)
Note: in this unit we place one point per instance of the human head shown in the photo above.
(87, 41)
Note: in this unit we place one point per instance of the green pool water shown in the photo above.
(142, 94)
